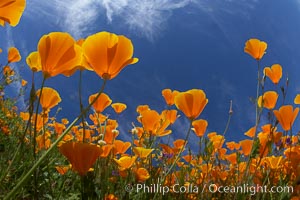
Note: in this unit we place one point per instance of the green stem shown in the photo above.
(177, 157)
(257, 119)
(81, 106)
(257, 94)
(36, 118)
(28, 125)
(13, 192)
(227, 124)
(34, 137)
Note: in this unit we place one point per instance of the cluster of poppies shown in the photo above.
(91, 145)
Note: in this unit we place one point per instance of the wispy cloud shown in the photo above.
(145, 17)
(74, 16)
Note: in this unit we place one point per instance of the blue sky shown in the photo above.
(181, 45)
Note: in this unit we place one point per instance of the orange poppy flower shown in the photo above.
(59, 128)
(169, 96)
(268, 100)
(113, 123)
(242, 166)
(223, 175)
(41, 121)
(43, 141)
(82, 156)
(108, 53)
(295, 198)
(121, 147)
(23, 82)
(191, 102)
(188, 158)
(66, 138)
(263, 140)
(170, 115)
(110, 134)
(167, 149)
(98, 117)
(267, 128)
(33, 61)
(297, 99)
(110, 197)
(233, 145)
(83, 64)
(142, 174)
(232, 158)
(199, 127)
(154, 124)
(179, 144)
(125, 162)
(273, 162)
(87, 134)
(246, 146)
(13, 55)
(286, 116)
(49, 98)
(63, 169)
(118, 107)
(142, 152)
(101, 103)
(59, 54)
(65, 121)
(217, 141)
(251, 132)
(24, 116)
(142, 108)
(211, 135)
(1, 50)
(8, 71)
(274, 73)
(206, 168)
(276, 136)
(105, 150)
(11, 11)
(255, 48)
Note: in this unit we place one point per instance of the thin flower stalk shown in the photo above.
(23, 179)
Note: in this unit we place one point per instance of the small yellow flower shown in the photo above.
(125, 162)
(142, 152)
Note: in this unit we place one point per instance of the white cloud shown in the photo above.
(74, 16)
(145, 17)
(113, 7)
(79, 15)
